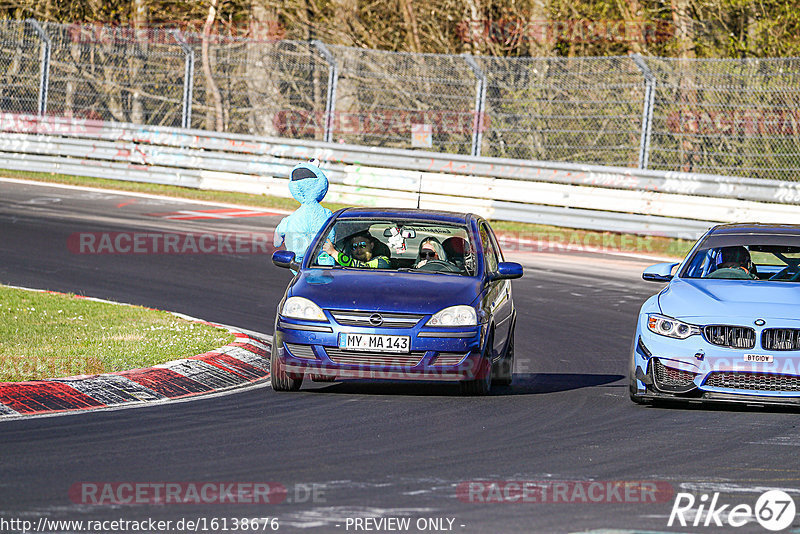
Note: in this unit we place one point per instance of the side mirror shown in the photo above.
(660, 272)
(507, 270)
(285, 259)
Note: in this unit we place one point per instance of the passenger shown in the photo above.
(457, 250)
(735, 262)
(362, 253)
(430, 249)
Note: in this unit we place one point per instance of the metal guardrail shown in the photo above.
(571, 195)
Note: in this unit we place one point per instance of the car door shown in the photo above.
(498, 292)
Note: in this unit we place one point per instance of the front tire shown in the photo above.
(482, 383)
(279, 378)
(504, 373)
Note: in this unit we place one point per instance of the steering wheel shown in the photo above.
(439, 266)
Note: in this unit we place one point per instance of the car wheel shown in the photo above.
(635, 397)
(279, 378)
(504, 373)
(632, 386)
(483, 383)
(632, 390)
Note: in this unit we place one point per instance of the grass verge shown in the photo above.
(45, 335)
(521, 236)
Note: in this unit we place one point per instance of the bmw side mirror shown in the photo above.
(285, 259)
(507, 270)
(660, 272)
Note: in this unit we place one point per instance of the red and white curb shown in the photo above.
(240, 363)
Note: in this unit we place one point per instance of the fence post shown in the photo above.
(480, 103)
(188, 79)
(44, 74)
(647, 112)
(333, 77)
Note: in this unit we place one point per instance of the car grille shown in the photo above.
(780, 339)
(388, 320)
(671, 379)
(448, 358)
(735, 337)
(304, 352)
(374, 358)
(754, 381)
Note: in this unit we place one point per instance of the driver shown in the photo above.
(430, 249)
(735, 263)
(361, 247)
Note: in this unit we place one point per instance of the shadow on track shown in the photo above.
(524, 384)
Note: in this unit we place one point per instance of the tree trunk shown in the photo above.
(684, 32)
(261, 70)
(412, 30)
(139, 18)
(211, 87)
(537, 32)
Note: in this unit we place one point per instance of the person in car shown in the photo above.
(363, 253)
(735, 262)
(430, 249)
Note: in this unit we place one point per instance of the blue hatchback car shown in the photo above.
(399, 295)
(726, 327)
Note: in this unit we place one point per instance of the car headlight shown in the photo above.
(454, 316)
(667, 326)
(302, 308)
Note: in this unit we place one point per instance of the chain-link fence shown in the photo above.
(731, 117)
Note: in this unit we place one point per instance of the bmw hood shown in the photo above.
(690, 298)
(384, 291)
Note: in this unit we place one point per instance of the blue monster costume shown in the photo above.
(308, 185)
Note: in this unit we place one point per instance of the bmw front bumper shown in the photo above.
(695, 370)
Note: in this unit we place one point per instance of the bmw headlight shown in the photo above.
(454, 316)
(667, 326)
(302, 308)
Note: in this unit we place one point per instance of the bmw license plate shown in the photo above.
(760, 358)
(374, 342)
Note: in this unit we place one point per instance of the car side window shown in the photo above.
(489, 250)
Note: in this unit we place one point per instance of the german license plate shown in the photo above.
(760, 358)
(374, 342)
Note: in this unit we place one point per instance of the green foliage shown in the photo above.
(45, 335)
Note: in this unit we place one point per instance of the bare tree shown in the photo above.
(412, 29)
(211, 86)
(684, 32)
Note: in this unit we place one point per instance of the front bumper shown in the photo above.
(697, 371)
(437, 354)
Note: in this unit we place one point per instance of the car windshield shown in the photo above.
(407, 245)
(749, 259)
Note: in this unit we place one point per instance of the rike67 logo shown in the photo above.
(774, 510)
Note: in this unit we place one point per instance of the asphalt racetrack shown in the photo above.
(350, 455)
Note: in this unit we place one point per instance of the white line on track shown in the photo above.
(139, 195)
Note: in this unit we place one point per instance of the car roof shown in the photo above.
(400, 213)
(755, 228)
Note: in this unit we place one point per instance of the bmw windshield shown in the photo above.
(746, 257)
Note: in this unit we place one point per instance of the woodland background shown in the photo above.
(539, 28)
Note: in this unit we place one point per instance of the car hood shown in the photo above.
(687, 298)
(384, 291)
